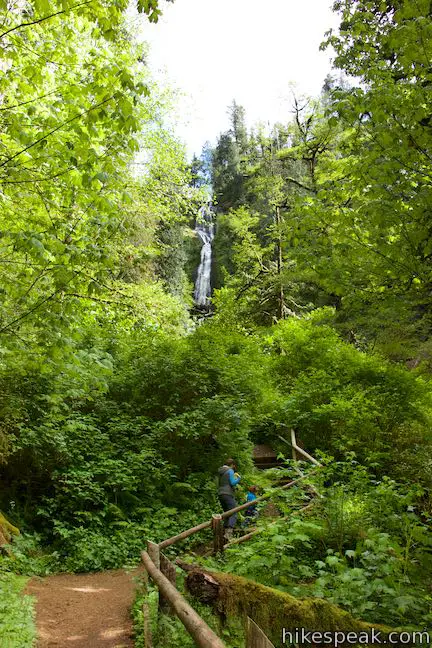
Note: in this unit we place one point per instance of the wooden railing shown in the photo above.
(206, 525)
(163, 573)
(201, 633)
(296, 449)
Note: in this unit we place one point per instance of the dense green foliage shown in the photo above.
(117, 407)
(138, 459)
(334, 206)
(16, 613)
(87, 261)
(365, 546)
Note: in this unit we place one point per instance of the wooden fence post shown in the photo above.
(148, 640)
(255, 637)
(169, 571)
(293, 445)
(218, 533)
(154, 553)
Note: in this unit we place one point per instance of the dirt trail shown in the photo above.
(84, 610)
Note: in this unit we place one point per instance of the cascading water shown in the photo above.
(205, 229)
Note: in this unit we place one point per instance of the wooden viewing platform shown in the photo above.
(265, 457)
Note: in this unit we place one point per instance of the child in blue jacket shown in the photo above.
(251, 512)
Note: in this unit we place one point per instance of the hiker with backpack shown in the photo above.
(227, 481)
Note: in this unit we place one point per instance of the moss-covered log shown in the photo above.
(271, 609)
(7, 530)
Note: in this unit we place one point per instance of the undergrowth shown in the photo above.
(17, 629)
(364, 546)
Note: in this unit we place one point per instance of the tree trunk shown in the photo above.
(203, 586)
(278, 220)
(7, 530)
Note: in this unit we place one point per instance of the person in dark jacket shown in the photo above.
(227, 481)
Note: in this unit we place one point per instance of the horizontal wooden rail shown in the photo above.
(256, 530)
(148, 638)
(296, 448)
(264, 497)
(194, 624)
(184, 534)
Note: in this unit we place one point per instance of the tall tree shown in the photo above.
(380, 194)
(279, 177)
(238, 127)
(72, 96)
(227, 171)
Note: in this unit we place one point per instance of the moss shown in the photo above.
(7, 530)
(273, 610)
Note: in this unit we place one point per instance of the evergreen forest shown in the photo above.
(160, 314)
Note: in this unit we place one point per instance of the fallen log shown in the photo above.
(203, 586)
(7, 530)
(271, 609)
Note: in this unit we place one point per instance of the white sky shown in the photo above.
(215, 51)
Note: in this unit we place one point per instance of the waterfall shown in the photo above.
(204, 227)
